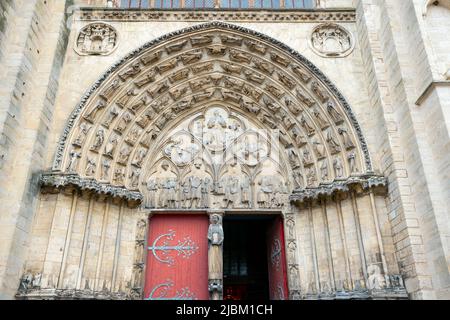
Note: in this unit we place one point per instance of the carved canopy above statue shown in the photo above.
(213, 116)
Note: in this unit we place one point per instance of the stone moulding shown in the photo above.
(315, 15)
(338, 186)
(70, 294)
(59, 180)
(212, 26)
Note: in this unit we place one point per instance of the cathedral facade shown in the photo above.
(281, 149)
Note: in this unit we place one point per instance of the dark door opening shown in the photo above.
(245, 263)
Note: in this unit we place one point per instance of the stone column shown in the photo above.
(215, 256)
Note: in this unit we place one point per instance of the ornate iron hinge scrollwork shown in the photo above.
(184, 248)
(160, 292)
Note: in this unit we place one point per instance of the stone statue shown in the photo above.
(338, 168)
(93, 113)
(348, 143)
(123, 100)
(119, 176)
(99, 139)
(307, 158)
(111, 145)
(131, 72)
(215, 243)
(246, 192)
(73, 162)
(195, 189)
(191, 57)
(139, 157)
(113, 113)
(319, 149)
(311, 177)
(352, 162)
(141, 228)
(293, 158)
(152, 188)
(134, 177)
(332, 143)
(82, 133)
(205, 189)
(266, 190)
(376, 280)
(334, 114)
(123, 122)
(231, 191)
(305, 124)
(323, 123)
(324, 170)
(106, 164)
(90, 167)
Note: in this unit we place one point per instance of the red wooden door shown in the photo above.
(277, 261)
(177, 258)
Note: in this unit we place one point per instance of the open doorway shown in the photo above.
(253, 258)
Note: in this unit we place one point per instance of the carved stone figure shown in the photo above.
(134, 178)
(250, 106)
(246, 200)
(119, 176)
(311, 177)
(352, 162)
(151, 57)
(332, 143)
(205, 189)
(338, 168)
(191, 57)
(231, 96)
(256, 47)
(204, 67)
(26, 282)
(205, 95)
(167, 65)
(287, 81)
(73, 161)
(178, 93)
(323, 123)
(239, 56)
(263, 66)
(144, 119)
(112, 114)
(319, 149)
(133, 136)
(217, 50)
(99, 140)
(174, 47)
(131, 72)
(266, 190)
(324, 170)
(319, 91)
(290, 224)
(109, 92)
(123, 122)
(299, 138)
(304, 99)
(334, 113)
(166, 117)
(82, 133)
(232, 190)
(348, 142)
(152, 188)
(307, 126)
(179, 75)
(90, 167)
(201, 40)
(272, 106)
(139, 157)
(148, 77)
(298, 178)
(96, 39)
(159, 89)
(124, 154)
(331, 40)
(376, 280)
(111, 145)
(106, 164)
(279, 59)
(253, 76)
(273, 90)
(231, 40)
(231, 68)
(124, 99)
(215, 260)
(304, 76)
(307, 158)
(293, 158)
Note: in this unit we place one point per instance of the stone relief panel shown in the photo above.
(140, 113)
(96, 39)
(331, 40)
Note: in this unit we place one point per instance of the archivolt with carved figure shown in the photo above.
(218, 117)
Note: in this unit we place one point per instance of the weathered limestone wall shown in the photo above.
(33, 45)
(82, 242)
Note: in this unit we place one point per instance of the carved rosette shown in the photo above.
(96, 38)
(331, 40)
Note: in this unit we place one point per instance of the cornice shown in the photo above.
(252, 15)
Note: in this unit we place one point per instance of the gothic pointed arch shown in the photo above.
(213, 116)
